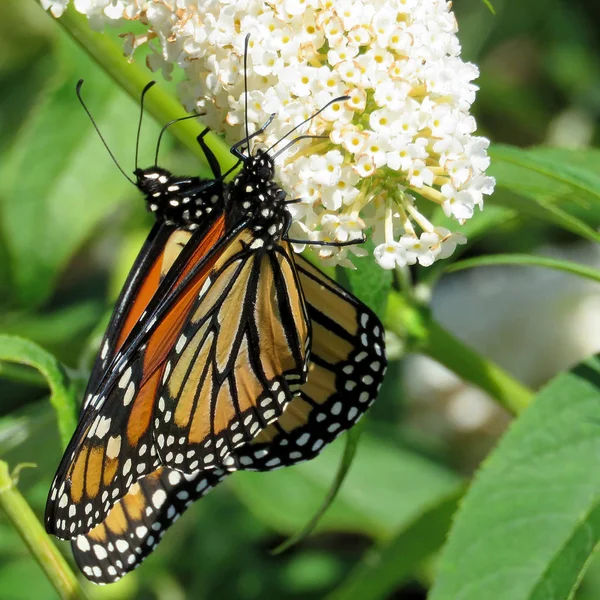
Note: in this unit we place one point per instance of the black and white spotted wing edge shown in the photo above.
(104, 555)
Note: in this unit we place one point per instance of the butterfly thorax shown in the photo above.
(175, 199)
(255, 197)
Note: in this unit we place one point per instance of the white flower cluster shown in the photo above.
(402, 143)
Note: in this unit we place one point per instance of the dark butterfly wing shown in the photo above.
(345, 371)
(114, 444)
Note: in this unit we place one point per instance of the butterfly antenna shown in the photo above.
(246, 44)
(78, 92)
(339, 99)
(296, 140)
(169, 125)
(139, 129)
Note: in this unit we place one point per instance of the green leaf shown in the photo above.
(550, 213)
(62, 392)
(62, 331)
(590, 586)
(531, 520)
(527, 260)
(370, 282)
(386, 487)
(58, 183)
(490, 6)
(541, 177)
(386, 566)
(548, 173)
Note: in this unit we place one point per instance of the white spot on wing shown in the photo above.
(113, 447)
(83, 544)
(180, 343)
(103, 427)
(128, 397)
(125, 379)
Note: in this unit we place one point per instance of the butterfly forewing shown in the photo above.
(115, 450)
(180, 206)
(138, 522)
(238, 362)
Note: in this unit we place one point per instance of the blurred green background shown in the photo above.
(70, 226)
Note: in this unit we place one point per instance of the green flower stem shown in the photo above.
(527, 260)
(423, 334)
(32, 533)
(132, 78)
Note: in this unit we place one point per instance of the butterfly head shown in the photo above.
(176, 200)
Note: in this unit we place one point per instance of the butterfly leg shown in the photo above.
(215, 167)
(361, 240)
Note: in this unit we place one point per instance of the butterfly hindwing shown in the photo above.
(138, 522)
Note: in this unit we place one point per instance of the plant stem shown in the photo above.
(527, 260)
(32, 533)
(448, 350)
(424, 334)
(132, 78)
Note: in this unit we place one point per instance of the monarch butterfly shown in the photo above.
(165, 364)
